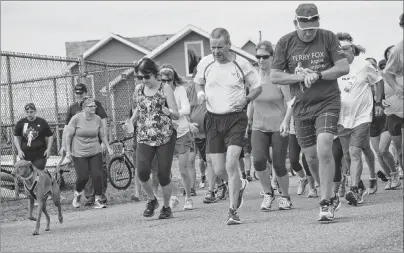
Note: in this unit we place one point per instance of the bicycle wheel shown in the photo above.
(119, 173)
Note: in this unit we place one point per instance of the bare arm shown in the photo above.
(49, 142)
(172, 105)
(103, 135)
(282, 78)
(17, 143)
(340, 68)
(69, 136)
(250, 112)
(105, 127)
(379, 91)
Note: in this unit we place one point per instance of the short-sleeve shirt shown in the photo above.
(33, 134)
(198, 111)
(395, 63)
(75, 108)
(85, 141)
(293, 55)
(224, 82)
(356, 93)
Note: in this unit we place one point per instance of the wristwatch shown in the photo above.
(320, 76)
(379, 104)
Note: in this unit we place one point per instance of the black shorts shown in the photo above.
(200, 144)
(224, 130)
(378, 126)
(247, 146)
(394, 125)
(307, 130)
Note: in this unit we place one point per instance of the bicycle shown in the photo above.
(120, 167)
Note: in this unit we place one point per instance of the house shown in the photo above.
(249, 47)
(182, 50)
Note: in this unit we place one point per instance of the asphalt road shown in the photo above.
(375, 226)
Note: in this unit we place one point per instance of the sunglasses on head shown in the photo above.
(265, 57)
(145, 77)
(307, 19)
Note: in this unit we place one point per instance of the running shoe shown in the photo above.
(174, 202)
(372, 186)
(302, 186)
(326, 211)
(210, 198)
(233, 218)
(151, 205)
(189, 204)
(284, 203)
(312, 193)
(395, 180)
(165, 213)
(267, 202)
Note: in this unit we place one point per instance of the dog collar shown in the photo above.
(26, 178)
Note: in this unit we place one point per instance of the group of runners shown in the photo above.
(313, 94)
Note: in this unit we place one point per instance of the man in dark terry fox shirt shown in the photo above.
(310, 60)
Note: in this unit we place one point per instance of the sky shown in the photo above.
(43, 27)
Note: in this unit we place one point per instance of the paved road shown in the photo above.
(376, 226)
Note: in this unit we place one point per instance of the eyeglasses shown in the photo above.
(91, 106)
(166, 80)
(307, 19)
(265, 57)
(145, 77)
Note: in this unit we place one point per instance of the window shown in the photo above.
(193, 54)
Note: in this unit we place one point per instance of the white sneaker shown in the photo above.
(395, 180)
(77, 198)
(189, 204)
(284, 203)
(98, 204)
(312, 193)
(267, 203)
(388, 185)
(202, 184)
(302, 186)
(174, 202)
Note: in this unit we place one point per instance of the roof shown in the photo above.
(248, 41)
(77, 48)
(174, 39)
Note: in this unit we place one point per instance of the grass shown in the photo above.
(17, 210)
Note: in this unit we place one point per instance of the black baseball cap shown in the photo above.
(30, 106)
(80, 88)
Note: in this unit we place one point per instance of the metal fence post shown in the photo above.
(57, 114)
(108, 100)
(11, 104)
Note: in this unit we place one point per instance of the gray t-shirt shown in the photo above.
(85, 141)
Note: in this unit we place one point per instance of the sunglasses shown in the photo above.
(346, 48)
(29, 111)
(91, 106)
(307, 19)
(145, 77)
(166, 80)
(265, 57)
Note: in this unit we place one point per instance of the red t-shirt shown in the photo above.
(291, 54)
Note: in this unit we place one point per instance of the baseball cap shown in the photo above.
(307, 16)
(80, 88)
(30, 106)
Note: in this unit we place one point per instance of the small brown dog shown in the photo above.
(38, 186)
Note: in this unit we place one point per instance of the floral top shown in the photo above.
(154, 128)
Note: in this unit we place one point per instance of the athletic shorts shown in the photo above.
(394, 125)
(224, 130)
(307, 130)
(378, 125)
(356, 137)
(200, 144)
(183, 144)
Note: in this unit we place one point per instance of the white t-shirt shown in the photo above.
(184, 109)
(392, 104)
(224, 82)
(356, 93)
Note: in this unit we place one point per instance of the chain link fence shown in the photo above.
(49, 82)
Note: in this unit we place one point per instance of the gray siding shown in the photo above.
(116, 52)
